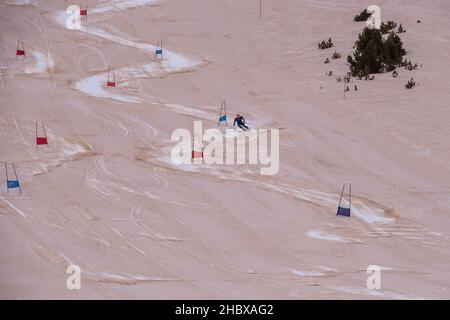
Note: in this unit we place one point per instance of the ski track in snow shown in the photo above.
(67, 151)
(307, 273)
(20, 212)
(127, 278)
(107, 189)
(43, 62)
(23, 2)
(121, 5)
(326, 236)
(95, 85)
(359, 209)
(50, 160)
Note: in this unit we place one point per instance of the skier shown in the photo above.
(240, 122)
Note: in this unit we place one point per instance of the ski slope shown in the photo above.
(106, 196)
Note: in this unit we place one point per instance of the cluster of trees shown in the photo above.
(410, 84)
(377, 51)
(367, 77)
(325, 44)
(347, 79)
(409, 66)
(387, 27)
(363, 16)
(336, 55)
(374, 54)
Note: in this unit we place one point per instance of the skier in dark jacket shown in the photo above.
(240, 122)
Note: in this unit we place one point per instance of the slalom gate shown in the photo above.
(223, 114)
(345, 205)
(41, 140)
(12, 182)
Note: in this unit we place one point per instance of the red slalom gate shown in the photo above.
(196, 154)
(110, 83)
(41, 140)
(20, 51)
(83, 11)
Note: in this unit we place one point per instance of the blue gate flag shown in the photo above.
(343, 212)
(11, 184)
(223, 118)
(158, 51)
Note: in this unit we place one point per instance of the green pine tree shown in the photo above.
(393, 51)
(372, 54)
(367, 57)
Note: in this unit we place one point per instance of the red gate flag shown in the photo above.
(20, 51)
(197, 154)
(83, 11)
(41, 140)
(113, 82)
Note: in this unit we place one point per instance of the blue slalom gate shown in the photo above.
(12, 183)
(159, 50)
(342, 210)
(223, 114)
